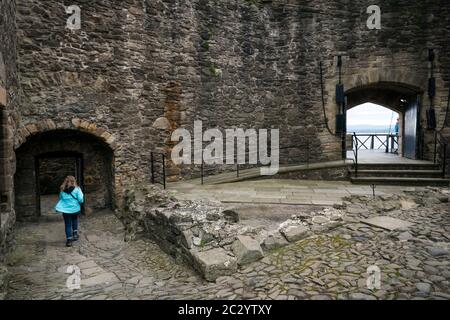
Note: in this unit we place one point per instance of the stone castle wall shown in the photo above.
(9, 119)
(52, 171)
(229, 63)
(9, 105)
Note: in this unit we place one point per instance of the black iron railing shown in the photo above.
(158, 168)
(297, 154)
(303, 147)
(440, 152)
(306, 153)
(355, 149)
(204, 171)
(387, 141)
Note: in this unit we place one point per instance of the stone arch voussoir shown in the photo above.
(410, 79)
(34, 128)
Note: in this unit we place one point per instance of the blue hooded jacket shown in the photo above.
(70, 201)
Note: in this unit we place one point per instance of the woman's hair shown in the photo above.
(69, 181)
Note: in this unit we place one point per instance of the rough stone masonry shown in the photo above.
(202, 234)
(228, 63)
(148, 59)
(212, 240)
(249, 64)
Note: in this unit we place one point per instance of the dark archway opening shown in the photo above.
(401, 99)
(45, 159)
(52, 168)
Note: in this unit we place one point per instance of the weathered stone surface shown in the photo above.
(320, 220)
(247, 250)
(231, 215)
(2, 96)
(323, 265)
(423, 287)
(162, 123)
(215, 263)
(10, 109)
(274, 241)
(129, 86)
(4, 279)
(405, 236)
(294, 233)
(438, 251)
(187, 239)
(361, 296)
(387, 223)
(123, 77)
(408, 204)
(184, 229)
(102, 279)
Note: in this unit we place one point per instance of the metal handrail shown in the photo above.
(355, 153)
(440, 151)
(203, 166)
(247, 155)
(204, 171)
(371, 136)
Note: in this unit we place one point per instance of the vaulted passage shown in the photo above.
(45, 159)
(402, 99)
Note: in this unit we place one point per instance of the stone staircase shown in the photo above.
(410, 174)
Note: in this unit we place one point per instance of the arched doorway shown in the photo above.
(376, 128)
(402, 99)
(46, 158)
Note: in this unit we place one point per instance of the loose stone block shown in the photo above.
(294, 233)
(215, 263)
(274, 241)
(387, 223)
(423, 287)
(231, 215)
(438, 251)
(320, 220)
(247, 250)
(186, 239)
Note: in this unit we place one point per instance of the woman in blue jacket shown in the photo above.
(70, 199)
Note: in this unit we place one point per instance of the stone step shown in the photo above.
(398, 173)
(401, 181)
(398, 166)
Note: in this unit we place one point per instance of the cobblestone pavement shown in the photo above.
(326, 265)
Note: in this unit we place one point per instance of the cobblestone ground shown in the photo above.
(330, 265)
